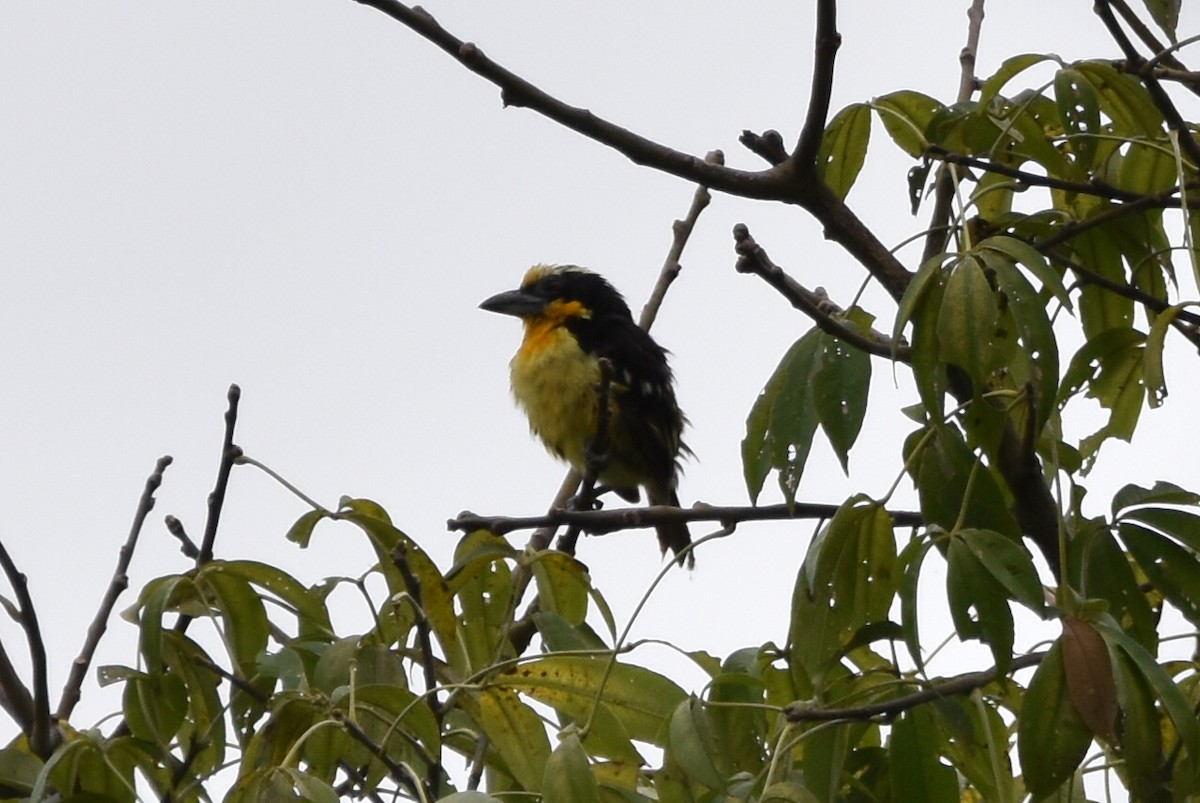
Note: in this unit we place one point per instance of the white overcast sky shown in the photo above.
(306, 198)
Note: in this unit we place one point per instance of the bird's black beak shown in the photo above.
(515, 302)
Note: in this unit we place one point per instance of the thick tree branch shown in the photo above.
(602, 522)
(1159, 95)
(39, 732)
(890, 709)
(516, 91)
(752, 258)
(15, 698)
(828, 40)
(119, 582)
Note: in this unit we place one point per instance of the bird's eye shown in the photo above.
(550, 286)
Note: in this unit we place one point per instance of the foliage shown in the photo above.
(1060, 237)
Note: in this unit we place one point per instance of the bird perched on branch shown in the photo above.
(573, 318)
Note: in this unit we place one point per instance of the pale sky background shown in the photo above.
(308, 199)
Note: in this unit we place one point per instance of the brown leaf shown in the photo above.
(1090, 685)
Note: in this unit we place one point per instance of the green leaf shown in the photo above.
(470, 797)
(18, 768)
(848, 580)
(1182, 525)
(1052, 739)
(1024, 253)
(911, 559)
(155, 707)
(562, 583)
(844, 147)
(1177, 707)
(569, 777)
(840, 390)
(640, 699)
(1141, 742)
(483, 586)
(1079, 111)
(242, 612)
(695, 747)
(1166, 15)
(1012, 66)
(781, 424)
(1156, 382)
(301, 532)
(1105, 574)
(515, 731)
(436, 599)
(1124, 99)
(967, 321)
(906, 115)
(1009, 563)
(916, 772)
(1099, 308)
(309, 606)
(1173, 570)
(949, 494)
(978, 604)
(1036, 359)
(1162, 493)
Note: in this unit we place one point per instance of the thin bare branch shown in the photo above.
(890, 709)
(752, 258)
(681, 232)
(39, 732)
(216, 500)
(601, 522)
(1100, 189)
(119, 582)
(945, 182)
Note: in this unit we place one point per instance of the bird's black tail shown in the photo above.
(673, 535)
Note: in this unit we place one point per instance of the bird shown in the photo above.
(572, 319)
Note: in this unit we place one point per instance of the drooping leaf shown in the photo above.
(844, 148)
(1088, 671)
(905, 115)
(916, 772)
(569, 777)
(694, 745)
(1012, 66)
(1052, 738)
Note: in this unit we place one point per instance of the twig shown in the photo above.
(681, 232)
(768, 145)
(40, 741)
(889, 709)
(119, 582)
(945, 182)
(1159, 95)
(433, 774)
(1100, 189)
(752, 258)
(186, 545)
(398, 772)
(804, 158)
(477, 762)
(216, 500)
(601, 522)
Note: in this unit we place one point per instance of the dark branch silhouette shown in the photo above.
(116, 586)
(890, 709)
(41, 738)
(603, 522)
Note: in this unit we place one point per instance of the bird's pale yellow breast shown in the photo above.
(555, 384)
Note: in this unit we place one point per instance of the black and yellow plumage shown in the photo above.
(572, 318)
